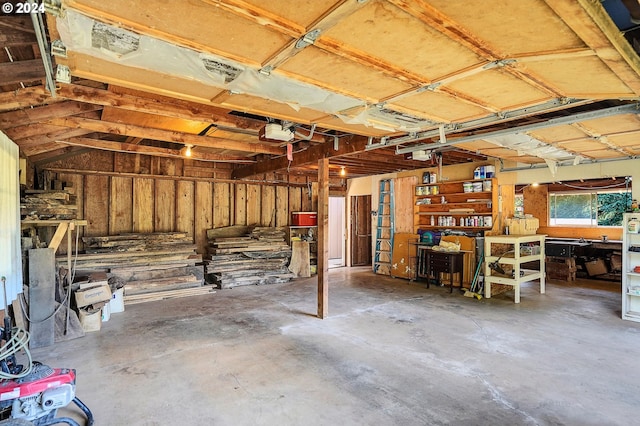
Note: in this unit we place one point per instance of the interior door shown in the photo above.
(361, 230)
(336, 232)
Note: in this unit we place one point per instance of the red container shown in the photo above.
(304, 218)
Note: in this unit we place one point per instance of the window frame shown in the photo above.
(594, 207)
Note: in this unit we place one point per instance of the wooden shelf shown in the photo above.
(479, 205)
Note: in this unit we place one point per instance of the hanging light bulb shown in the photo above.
(343, 172)
(187, 152)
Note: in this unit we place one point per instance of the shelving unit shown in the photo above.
(525, 249)
(463, 208)
(631, 260)
(306, 233)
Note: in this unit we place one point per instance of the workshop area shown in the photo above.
(241, 212)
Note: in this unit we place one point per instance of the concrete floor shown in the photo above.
(391, 353)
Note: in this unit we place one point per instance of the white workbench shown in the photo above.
(520, 254)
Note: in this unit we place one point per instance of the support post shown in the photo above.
(323, 237)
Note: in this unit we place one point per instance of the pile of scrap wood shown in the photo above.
(46, 205)
(240, 255)
(153, 266)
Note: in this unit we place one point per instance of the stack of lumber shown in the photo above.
(259, 257)
(39, 204)
(153, 266)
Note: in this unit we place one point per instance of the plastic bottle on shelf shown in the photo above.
(433, 220)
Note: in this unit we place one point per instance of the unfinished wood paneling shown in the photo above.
(185, 206)
(282, 206)
(295, 200)
(403, 194)
(203, 213)
(268, 206)
(96, 204)
(143, 205)
(240, 204)
(120, 205)
(253, 205)
(165, 205)
(222, 205)
(536, 203)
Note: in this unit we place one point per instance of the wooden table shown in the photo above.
(432, 263)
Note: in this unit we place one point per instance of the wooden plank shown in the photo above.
(267, 206)
(253, 205)
(282, 206)
(295, 201)
(30, 116)
(42, 283)
(96, 203)
(240, 203)
(61, 230)
(222, 205)
(300, 262)
(21, 71)
(204, 207)
(121, 205)
(18, 315)
(403, 198)
(165, 205)
(184, 206)
(143, 205)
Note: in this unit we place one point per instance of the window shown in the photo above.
(594, 208)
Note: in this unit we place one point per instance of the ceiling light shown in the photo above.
(187, 151)
(343, 172)
(534, 184)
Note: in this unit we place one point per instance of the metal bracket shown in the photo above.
(63, 74)
(58, 48)
(53, 7)
(308, 38)
(266, 70)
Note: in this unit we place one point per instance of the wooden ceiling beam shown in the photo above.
(164, 106)
(150, 150)
(164, 135)
(25, 98)
(29, 116)
(57, 154)
(348, 145)
(21, 71)
(37, 140)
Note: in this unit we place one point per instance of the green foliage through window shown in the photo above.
(589, 209)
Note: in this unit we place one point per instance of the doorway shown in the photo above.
(361, 230)
(336, 232)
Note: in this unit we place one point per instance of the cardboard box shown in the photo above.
(304, 218)
(522, 226)
(92, 295)
(90, 320)
(596, 267)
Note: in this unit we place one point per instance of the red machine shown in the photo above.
(32, 395)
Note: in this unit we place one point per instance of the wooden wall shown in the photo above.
(160, 198)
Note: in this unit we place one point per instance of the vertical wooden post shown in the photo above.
(323, 237)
